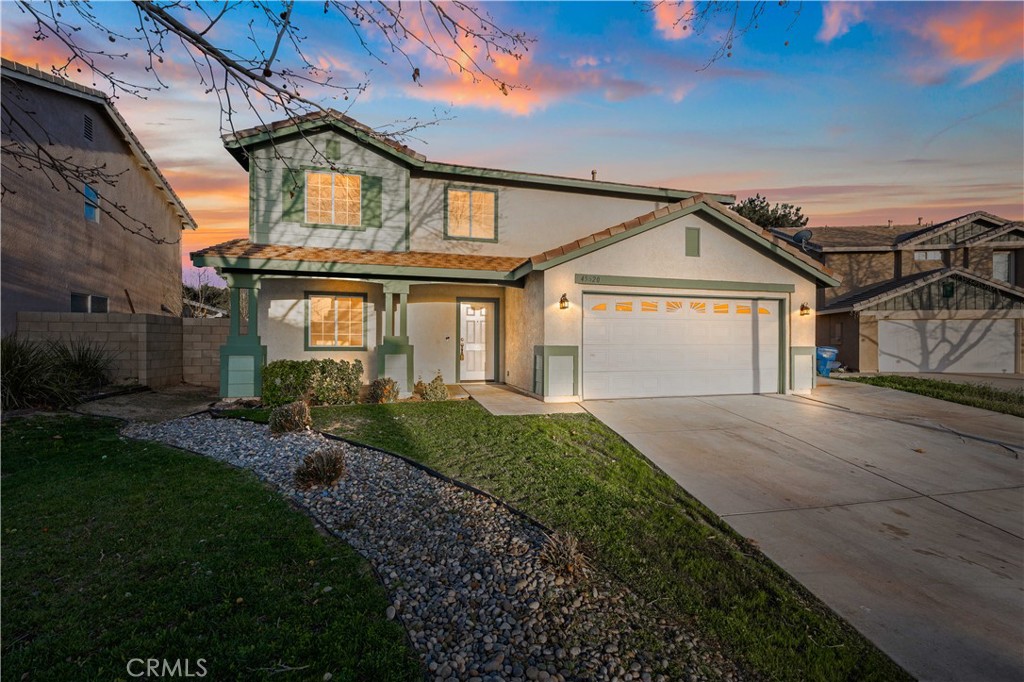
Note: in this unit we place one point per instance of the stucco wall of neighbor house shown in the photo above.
(979, 259)
(524, 330)
(660, 252)
(909, 266)
(529, 221)
(50, 250)
(857, 270)
(269, 197)
(282, 319)
(847, 342)
(433, 330)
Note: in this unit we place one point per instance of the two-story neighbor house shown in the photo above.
(936, 298)
(360, 248)
(62, 249)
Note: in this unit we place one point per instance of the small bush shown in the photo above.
(50, 374)
(291, 417)
(324, 467)
(563, 554)
(326, 382)
(419, 388)
(383, 390)
(436, 389)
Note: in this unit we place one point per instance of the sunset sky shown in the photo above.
(858, 112)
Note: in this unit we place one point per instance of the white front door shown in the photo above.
(476, 341)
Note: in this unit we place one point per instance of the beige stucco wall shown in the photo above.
(50, 250)
(267, 194)
(524, 329)
(660, 252)
(529, 221)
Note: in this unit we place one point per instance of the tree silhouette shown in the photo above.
(757, 210)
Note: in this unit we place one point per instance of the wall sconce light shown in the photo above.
(805, 309)
(563, 302)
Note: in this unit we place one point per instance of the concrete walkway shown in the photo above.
(153, 406)
(903, 513)
(501, 401)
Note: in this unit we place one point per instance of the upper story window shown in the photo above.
(336, 321)
(1002, 266)
(927, 255)
(92, 203)
(88, 303)
(471, 214)
(333, 198)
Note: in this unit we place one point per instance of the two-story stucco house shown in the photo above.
(562, 288)
(936, 298)
(90, 224)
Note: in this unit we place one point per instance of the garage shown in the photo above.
(966, 346)
(643, 346)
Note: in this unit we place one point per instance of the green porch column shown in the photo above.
(396, 347)
(242, 356)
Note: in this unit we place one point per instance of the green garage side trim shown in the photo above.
(783, 344)
(541, 367)
(669, 283)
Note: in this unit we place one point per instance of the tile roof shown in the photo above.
(862, 299)
(27, 73)
(243, 248)
(665, 211)
(884, 236)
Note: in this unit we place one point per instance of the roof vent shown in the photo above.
(87, 129)
(593, 174)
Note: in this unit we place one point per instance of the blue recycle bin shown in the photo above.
(826, 360)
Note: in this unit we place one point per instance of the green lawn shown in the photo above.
(975, 395)
(572, 473)
(115, 549)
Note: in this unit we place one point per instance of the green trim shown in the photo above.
(693, 242)
(396, 345)
(469, 188)
(371, 206)
(668, 283)
(267, 265)
(497, 333)
(801, 350)
(333, 294)
(408, 211)
(783, 344)
(541, 384)
(236, 148)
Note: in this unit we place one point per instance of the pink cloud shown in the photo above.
(671, 19)
(838, 18)
(984, 36)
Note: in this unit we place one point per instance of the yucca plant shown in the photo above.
(323, 468)
(86, 364)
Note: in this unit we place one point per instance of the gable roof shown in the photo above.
(760, 237)
(239, 141)
(893, 237)
(20, 72)
(872, 296)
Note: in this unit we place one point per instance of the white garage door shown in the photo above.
(652, 346)
(946, 345)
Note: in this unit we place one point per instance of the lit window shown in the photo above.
(333, 198)
(470, 214)
(336, 321)
(1002, 266)
(927, 255)
(92, 204)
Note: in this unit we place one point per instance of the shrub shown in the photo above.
(336, 382)
(291, 417)
(326, 382)
(34, 374)
(324, 467)
(436, 389)
(383, 390)
(419, 388)
(563, 554)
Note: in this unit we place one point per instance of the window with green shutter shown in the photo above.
(323, 197)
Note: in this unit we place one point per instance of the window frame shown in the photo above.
(332, 173)
(92, 200)
(1010, 258)
(90, 302)
(308, 328)
(925, 257)
(470, 188)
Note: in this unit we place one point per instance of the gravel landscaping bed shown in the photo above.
(464, 574)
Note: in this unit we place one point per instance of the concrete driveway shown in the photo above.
(903, 513)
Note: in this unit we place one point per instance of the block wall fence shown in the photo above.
(152, 350)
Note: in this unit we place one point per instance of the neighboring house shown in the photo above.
(62, 250)
(360, 248)
(937, 298)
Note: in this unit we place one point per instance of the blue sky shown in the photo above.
(871, 112)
